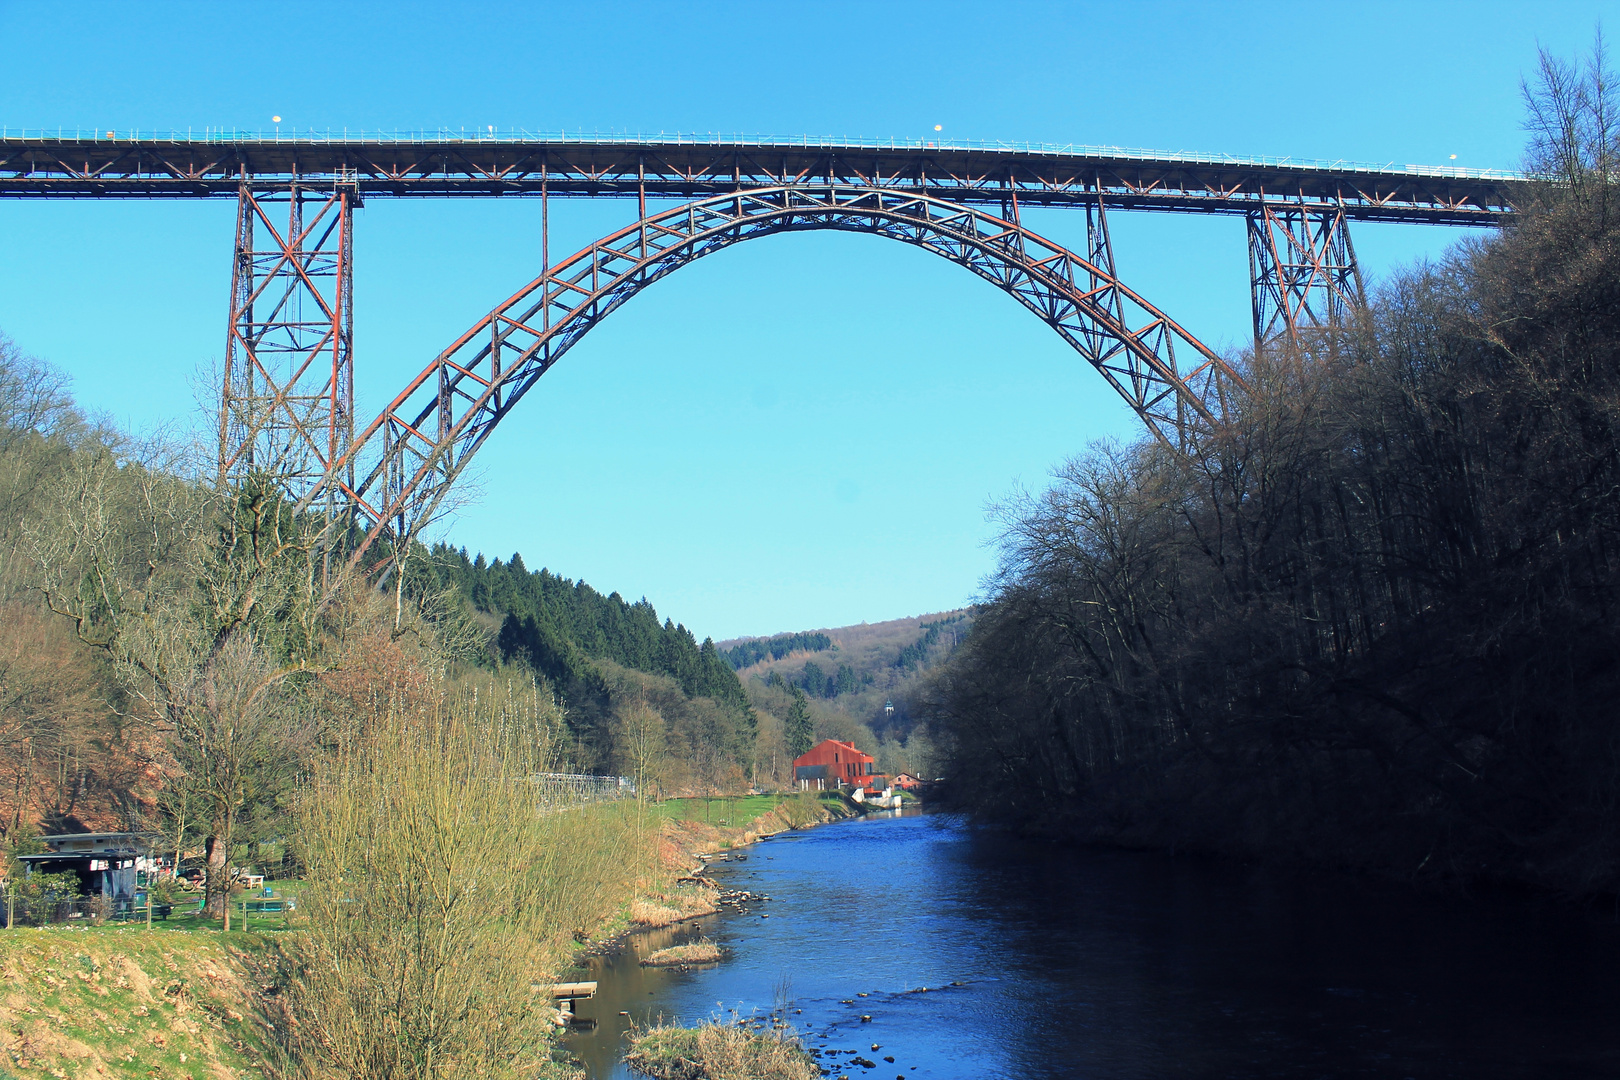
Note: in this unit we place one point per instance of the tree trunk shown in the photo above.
(217, 890)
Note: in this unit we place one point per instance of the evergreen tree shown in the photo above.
(752, 652)
(797, 727)
(555, 625)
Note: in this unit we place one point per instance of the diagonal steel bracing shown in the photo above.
(423, 440)
(287, 392)
(107, 164)
(1302, 271)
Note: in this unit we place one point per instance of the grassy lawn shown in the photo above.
(120, 1001)
(186, 917)
(735, 812)
(187, 921)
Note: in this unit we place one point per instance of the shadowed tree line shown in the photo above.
(1373, 619)
(560, 625)
(635, 692)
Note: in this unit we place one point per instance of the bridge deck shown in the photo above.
(110, 165)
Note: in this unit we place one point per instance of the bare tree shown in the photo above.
(640, 741)
(441, 891)
(206, 602)
(1573, 117)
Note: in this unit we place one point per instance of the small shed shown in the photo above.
(103, 862)
(831, 764)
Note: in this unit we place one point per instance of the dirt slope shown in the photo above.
(128, 1002)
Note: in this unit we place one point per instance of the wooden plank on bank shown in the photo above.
(574, 990)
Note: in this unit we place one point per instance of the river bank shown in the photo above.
(961, 952)
(121, 1000)
(686, 848)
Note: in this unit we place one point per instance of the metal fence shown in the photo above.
(570, 789)
(81, 910)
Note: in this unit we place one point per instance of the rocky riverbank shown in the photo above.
(686, 848)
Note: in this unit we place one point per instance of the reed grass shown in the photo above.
(716, 1051)
(702, 951)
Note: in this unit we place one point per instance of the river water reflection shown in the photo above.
(1045, 961)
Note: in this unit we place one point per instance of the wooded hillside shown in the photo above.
(606, 659)
(1373, 619)
(857, 683)
(129, 584)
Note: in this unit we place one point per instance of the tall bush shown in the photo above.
(440, 891)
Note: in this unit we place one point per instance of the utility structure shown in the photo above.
(287, 390)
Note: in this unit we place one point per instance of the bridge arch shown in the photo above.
(417, 446)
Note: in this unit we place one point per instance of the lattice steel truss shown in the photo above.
(126, 165)
(1302, 271)
(424, 439)
(287, 392)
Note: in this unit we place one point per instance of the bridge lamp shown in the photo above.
(941, 127)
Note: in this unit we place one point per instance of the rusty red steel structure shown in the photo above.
(431, 430)
(287, 391)
(287, 388)
(1303, 274)
(179, 165)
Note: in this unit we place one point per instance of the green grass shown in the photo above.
(734, 812)
(190, 923)
(138, 1001)
(186, 918)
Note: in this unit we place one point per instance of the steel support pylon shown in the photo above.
(287, 402)
(1302, 271)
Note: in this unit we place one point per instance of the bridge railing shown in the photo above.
(223, 136)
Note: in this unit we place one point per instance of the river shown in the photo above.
(1047, 961)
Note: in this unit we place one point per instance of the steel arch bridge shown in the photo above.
(287, 392)
(434, 426)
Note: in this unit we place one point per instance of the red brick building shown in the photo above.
(832, 763)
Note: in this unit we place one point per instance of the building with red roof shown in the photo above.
(833, 763)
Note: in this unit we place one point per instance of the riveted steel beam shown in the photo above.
(447, 165)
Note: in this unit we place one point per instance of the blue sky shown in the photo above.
(799, 432)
